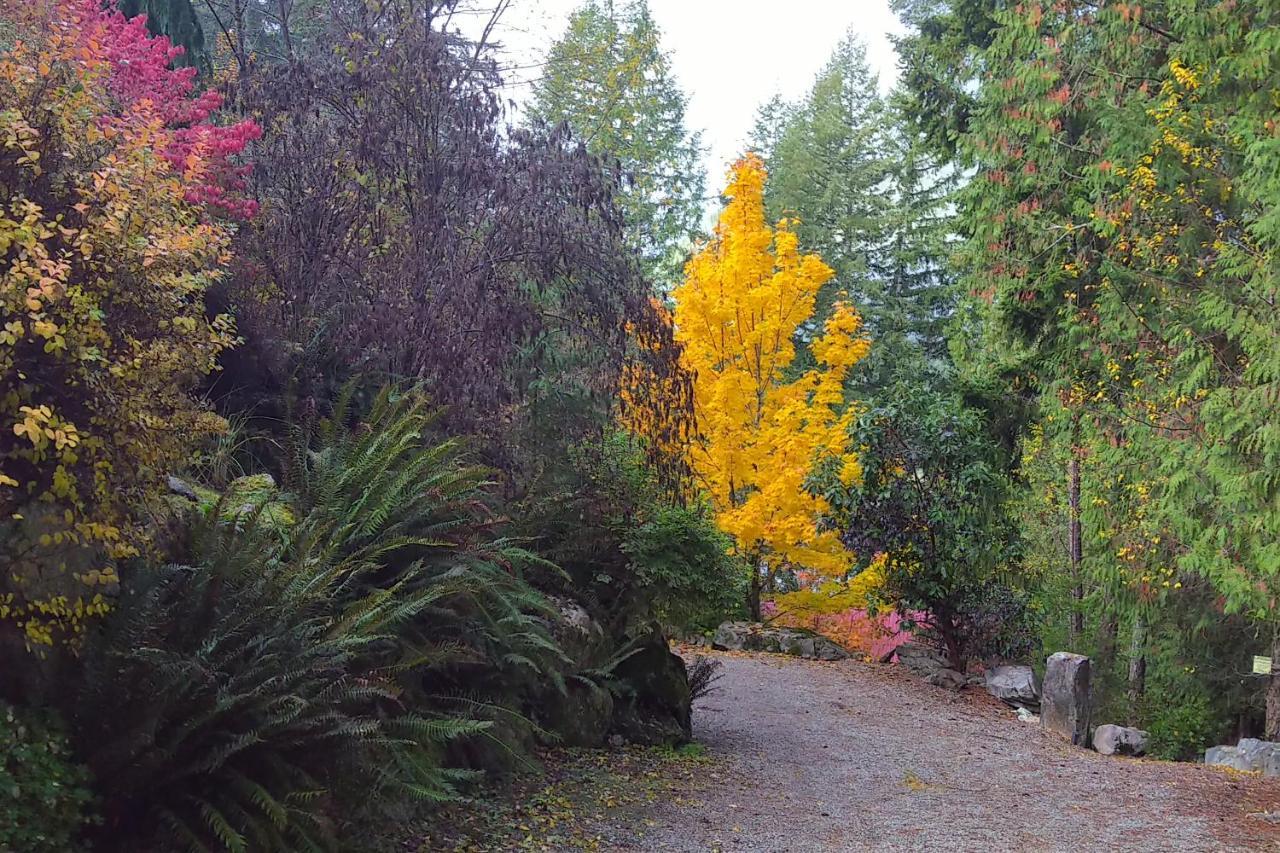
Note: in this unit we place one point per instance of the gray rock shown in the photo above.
(1119, 740)
(581, 716)
(1015, 685)
(1256, 752)
(921, 659)
(1250, 754)
(731, 636)
(797, 645)
(181, 488)
(948, 678)
(824, 649)
(1226, 756)
(581, 637)
(754, 637)
(1067, 699)
(657, 707)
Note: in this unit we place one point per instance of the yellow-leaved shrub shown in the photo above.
(104, 262)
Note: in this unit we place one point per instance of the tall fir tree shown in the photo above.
(875, 201)
(828, 170)
(1121, 255)
(911, 281)
(610, 80)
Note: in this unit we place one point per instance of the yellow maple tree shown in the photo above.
(763, 426)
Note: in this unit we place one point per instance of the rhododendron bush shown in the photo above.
(116, 193)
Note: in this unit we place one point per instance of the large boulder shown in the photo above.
(1258, 753)
(931, 665)
(1226, 756)
(755, 637)
(1250, 754)
(1119, 740)
(731, 636)
(582, 716)
(924, 661)
(655, 707)
(798, 645)
(1067, 699)
(1015, 685)
(579, 635)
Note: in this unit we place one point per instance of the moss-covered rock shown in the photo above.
(656, 704)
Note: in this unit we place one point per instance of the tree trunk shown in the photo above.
(1074, 549)
(1273, 690)
(1137, 668)
(753, 592)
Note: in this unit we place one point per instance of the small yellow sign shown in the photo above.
(1261, 665)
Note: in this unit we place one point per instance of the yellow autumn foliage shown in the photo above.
(762, 429)
(835, 595)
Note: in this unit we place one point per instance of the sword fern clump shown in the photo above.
(232, 700)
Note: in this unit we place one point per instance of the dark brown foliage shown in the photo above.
(405, 233)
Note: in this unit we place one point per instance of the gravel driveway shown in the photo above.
(851, 756)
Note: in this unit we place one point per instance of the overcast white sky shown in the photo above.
(729, 56)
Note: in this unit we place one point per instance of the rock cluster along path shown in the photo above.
(846, 756)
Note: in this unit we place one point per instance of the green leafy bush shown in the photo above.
(684, 564)
(934, 499)
(628, 546)
(994, 622)
(44, 793)
(1180, 730)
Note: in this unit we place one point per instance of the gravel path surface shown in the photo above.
(851, 756)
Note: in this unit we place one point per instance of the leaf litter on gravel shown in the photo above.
(579, 800)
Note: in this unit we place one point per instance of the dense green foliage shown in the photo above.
(874, 203)
(333, 603)
(362, 417)
(1121, 268)
(933, 499)
(44, 792)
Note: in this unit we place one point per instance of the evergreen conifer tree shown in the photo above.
(609, 79)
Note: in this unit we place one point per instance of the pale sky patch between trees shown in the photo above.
(729, 56)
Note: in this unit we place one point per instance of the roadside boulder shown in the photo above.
(1014, 685)
(797, 645)
(923, 660)
(1226, 756)
(1067, 698)
(824, 649)
(581, 637)
(1119, 740)
(655, 707)
(1250, 754)
(755, 637)
(948, 678)
(731, 636)
(1258, 753)
(581, 716)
